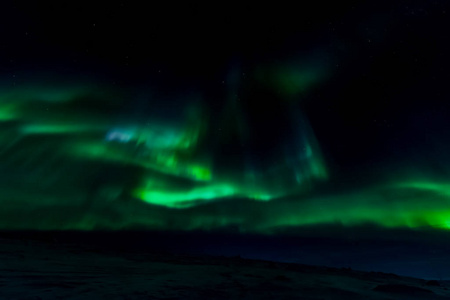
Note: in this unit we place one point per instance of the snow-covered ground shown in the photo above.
(37, 269)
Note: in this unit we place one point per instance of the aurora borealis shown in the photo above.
(156, 175)
(321, 120)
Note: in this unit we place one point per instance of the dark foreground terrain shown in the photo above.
(49, 268)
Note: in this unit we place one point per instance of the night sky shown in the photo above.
(242, 119)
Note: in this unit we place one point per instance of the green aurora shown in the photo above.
(55, 142)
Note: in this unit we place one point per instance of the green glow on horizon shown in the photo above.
(385, 206)
(403, 207)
